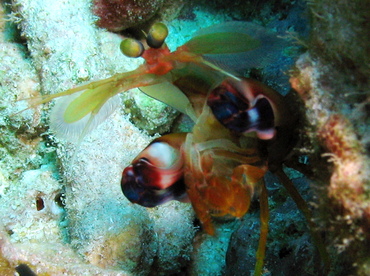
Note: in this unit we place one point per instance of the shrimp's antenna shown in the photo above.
(217, 68)
(264, 218)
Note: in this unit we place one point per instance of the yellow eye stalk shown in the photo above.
(131, 47)
(155, 38)
(157, 35)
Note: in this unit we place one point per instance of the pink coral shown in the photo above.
(347, 183)
(117, 15)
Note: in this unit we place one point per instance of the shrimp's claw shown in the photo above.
(155, 176)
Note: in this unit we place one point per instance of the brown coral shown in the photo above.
(338, 139)
(117, 15)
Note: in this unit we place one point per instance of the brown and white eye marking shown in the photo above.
(155, 176)
(161, 154)
(247, 105)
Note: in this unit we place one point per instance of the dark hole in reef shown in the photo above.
(255, 205)
(134, 32)
(367, 147)
(24, 270)
(60, 200)
(367, 110)
(284, 252)
(39, 203)
(196, 223)
(49, 140)
(291, 230)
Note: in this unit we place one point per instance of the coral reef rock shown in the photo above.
(62, 209)
(118, 15)
(332, 79)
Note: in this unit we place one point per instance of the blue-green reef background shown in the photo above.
(62, 210)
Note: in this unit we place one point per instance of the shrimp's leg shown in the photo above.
(117, 83)
(264, 218)
(195, 180)
(303, 207)
(35, 101)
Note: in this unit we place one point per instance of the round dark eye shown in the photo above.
(131, 47)
(157, 34)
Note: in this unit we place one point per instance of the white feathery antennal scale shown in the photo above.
(76, 131)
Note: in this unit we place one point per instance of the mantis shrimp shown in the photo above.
(242, 127)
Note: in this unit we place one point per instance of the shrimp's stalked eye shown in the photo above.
(157, 34)
(155, 176)
(131, 47)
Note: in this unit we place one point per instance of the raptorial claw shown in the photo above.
(247, 105)
(155, 176)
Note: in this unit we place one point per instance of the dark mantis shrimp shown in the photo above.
(242, 127)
